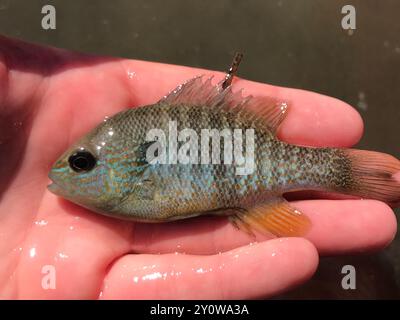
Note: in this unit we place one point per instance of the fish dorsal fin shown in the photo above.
(196, 91)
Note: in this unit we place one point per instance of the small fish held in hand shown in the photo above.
(165, 162)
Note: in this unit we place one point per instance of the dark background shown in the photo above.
(297, 43)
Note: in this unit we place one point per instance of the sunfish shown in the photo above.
(204, 149)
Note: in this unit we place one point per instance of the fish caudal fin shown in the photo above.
(372, 175)
(276, 217)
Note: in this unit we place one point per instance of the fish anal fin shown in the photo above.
(240, 224)
(277, 217)
(197, 91)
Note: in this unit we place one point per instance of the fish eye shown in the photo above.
(82, 161)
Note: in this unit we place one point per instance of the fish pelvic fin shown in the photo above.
(275, 217)
(265, 110)
(372, 175)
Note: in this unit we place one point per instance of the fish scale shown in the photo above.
(124, 184)
(230, 188)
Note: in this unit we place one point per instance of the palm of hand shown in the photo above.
(49, 98)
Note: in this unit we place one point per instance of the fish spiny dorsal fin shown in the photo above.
(192, 92)
(264, 110)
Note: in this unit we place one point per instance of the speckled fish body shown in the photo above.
(124, 184)
(164, 191)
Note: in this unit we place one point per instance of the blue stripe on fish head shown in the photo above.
(101, 187)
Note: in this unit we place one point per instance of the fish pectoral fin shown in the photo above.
(276, 216)
(144, 190)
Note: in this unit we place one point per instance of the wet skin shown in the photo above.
(50, 97)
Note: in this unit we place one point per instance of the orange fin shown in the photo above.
(372, 175)
(277, 217)
(265, 110)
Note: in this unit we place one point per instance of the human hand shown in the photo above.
(50, 97)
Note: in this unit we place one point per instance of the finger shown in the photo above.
(338, 226)
(349, 226)
(70, 246)
(260, 270)
(313, 119)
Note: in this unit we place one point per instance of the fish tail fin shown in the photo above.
(372, 175)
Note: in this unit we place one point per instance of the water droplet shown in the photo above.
(41, 223)
(32, 252)
(62, 255)
(131, 74)
(17, 124)
(18, 249)
(200, 270)
(152, 276)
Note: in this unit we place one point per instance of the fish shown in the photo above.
(155, 164)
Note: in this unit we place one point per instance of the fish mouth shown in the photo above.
(54, 188)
